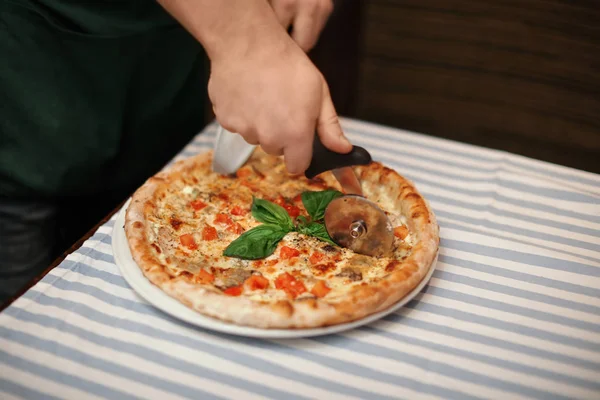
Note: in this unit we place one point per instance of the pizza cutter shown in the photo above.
(351, 220)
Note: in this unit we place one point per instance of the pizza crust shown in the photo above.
(364, 300)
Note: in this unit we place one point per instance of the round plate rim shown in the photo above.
(170, 306)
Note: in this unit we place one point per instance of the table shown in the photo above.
(512, 311)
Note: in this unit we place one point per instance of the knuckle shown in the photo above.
(249, 134)
(268, 141)
(327, 6)
(288, 5)
(304, 45)
(226, 123)
(274, 151)
(330, 120)
(270, 145)
(231, 123)
(251, 140)
(314, 6)
(309, 44)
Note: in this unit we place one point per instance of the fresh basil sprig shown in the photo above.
(316, 202)
(258, 242)
(271, 213)
(317, 230)
(261, 241)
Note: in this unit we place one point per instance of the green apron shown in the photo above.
(95, 96)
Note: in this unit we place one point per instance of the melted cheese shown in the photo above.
(187, 190)
(263, 177)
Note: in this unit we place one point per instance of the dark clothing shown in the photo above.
(95, 96)
(28, 241)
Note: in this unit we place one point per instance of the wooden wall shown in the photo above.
(518, 75)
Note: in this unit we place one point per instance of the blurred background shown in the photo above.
(516, 75)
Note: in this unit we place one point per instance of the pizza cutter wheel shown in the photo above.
(359, 225)
(351, 220)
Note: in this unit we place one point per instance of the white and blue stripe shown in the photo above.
(512, 311)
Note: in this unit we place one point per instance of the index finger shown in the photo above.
(284, 11)
(298, 155)
(307, 26)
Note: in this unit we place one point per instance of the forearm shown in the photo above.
(230, 28)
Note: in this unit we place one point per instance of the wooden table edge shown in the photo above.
(62, 257)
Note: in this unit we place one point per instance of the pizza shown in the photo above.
(251, 249)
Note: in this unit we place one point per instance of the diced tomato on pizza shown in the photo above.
(188, 241)
(244, 172)
(198, 204)
(320, 289)
(401, 232)
(239, 211)
(292, 286)
(223, 219)
(286, 252)
(316, 257)
(236, 228)
(209, 233)
(233, 291)
(205, 277)
(292, 210)
(256, 282)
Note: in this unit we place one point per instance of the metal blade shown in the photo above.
(348, 180)
(231, 151)
(359, 225)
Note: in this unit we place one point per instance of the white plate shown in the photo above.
(153, 295)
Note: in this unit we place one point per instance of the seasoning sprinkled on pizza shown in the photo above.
(248, 250)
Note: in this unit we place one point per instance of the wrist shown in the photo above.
(251, 42)
(231, 29)
(254, 39)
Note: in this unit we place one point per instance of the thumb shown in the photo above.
(328, 126)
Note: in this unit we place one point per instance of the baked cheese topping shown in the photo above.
(196, 219)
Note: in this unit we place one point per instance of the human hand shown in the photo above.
(262, 84)
(307, 17)
(276, 98)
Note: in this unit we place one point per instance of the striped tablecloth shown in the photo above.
(512, 311)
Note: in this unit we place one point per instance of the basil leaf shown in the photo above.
(301, 221)
(271, 213)
(317, 230)
(258, 242)
(316, 202)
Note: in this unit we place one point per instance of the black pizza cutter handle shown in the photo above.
(324, 159)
